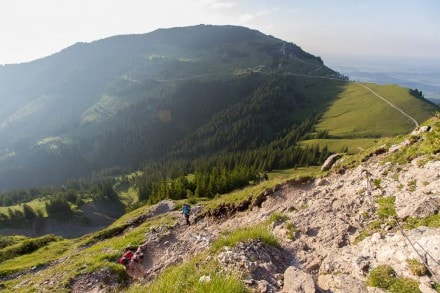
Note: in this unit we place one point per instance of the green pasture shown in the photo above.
(351, 146)
(357, 113)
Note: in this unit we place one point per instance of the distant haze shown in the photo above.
(414, 73)
(34, 29)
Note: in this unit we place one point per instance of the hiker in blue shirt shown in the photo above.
(186, 212)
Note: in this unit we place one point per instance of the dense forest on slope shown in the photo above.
(128, 100)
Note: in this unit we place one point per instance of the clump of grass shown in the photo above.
(277, 218)
(259, 232)
(412, 184)
(404, 285)
(381, 277)
(376, 182)
(416, 267)
(386, 207)
(384, 277)
(364, 234)
(291, 230)
(431, 221)
(385, 212)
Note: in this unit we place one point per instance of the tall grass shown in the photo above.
(258, 232)
(186, 278)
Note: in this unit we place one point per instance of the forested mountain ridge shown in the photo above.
(167, 100)
(124, 100)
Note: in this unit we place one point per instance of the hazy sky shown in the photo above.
(31, 29)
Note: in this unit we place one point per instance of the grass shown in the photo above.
(277, 218)
(80, 256)
(403, 99)
(84, 256)
(353, 145)
(385, 211)
(386, 207)
(428, 147)
(416, 268)
(186, 278)
(258, 232)
(38, 205)
(347, 116)
(42, 256)
(381, 277)
(384, 277)
(26, 246)
(431, 221)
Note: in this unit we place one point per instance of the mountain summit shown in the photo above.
(170, 95)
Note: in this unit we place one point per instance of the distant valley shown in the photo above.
(423, 74)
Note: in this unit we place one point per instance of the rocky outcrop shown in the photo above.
(261, 266)
(341, 283)
(330, 161)
(296, 280)
(354, 262)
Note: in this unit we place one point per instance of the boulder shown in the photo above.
(330, 161)
(341, 283)
(296, 281)
(419, 207)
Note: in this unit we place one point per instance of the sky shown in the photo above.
(32, 29)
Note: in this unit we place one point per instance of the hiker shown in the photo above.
(186, 211)
(131, 263)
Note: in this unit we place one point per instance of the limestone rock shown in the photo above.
(296, 281)
(330, 161)
(341, 283)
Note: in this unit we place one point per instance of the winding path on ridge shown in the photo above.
(391, 104)
(308, 76)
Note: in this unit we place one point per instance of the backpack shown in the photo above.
(186, 209)
(126, 257)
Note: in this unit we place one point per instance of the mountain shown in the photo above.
(369, 224)
(172, 95)
(121, 101)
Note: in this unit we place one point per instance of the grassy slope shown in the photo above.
(357, 118)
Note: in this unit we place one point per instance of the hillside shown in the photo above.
(202, 93)
(125, 100)
(368, 223)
